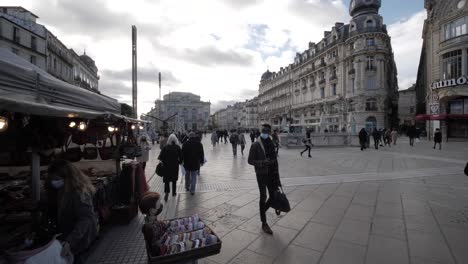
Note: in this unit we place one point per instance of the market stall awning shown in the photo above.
(441, 117)
(28, 89)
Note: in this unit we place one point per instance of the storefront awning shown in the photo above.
(441, 117)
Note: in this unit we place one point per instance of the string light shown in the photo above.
(141, 127)
(111, 129)
(133, 127)
(72, 124)
(116, 129)
(3, 124)
(82, 126)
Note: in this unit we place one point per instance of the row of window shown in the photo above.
(17, 39)
(452, 64)
(456, 28)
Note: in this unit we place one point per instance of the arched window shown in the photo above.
(371, 104)
(369, 23)
(371, 123)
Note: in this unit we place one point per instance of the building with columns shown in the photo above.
(343, 83)
(442, 85)
(182, 111)
(407, 106)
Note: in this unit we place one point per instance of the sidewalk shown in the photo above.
(397, 205)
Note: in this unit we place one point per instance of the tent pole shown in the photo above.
(36, 176)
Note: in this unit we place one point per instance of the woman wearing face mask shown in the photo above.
(75, 217)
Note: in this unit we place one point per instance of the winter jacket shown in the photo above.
(438, 137)
(171, 157)
(266, 169)
(234, 138)
(192, 155)
(77, 221)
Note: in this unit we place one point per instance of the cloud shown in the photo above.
(212, 56)
(144, 75)
(219, 105)
(407, 41)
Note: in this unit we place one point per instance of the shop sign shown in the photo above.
(434, 109)
(449, 83)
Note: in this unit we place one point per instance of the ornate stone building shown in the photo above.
(442, 86)
(407, 106)
(343, 83)
(187, 110)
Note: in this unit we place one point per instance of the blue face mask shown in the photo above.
(57, 184)
(264, 135)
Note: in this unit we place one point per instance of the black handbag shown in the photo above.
(90, 152)
(280, 202)
(72, 154)
(160, 169)
(107, 152)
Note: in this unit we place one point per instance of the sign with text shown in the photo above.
(450, 83)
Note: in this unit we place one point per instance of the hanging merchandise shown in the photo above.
(71, 151)
(90, 152)
(130, 148)
(107, 151)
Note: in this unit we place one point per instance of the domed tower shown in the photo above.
(365, 14)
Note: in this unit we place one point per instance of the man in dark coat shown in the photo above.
(193, 157)
(264, 158)
(234, 140)
(438, 138)
(363, 138)
(377, 137)
(411, 134)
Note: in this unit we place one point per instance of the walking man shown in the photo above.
(242, 142)
(394, 136)
(263, 157)
(363, 138)
(193, 157)
(412, 134)
(234, 140)
(252, 136)
(308, 144)
(377, 137)
(438, 138)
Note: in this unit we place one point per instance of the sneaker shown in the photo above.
(174, 194)
(267, 229)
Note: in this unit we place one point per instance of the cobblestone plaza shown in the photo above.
(392, 205)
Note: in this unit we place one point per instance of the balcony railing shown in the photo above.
(352, 71)
(369, 30)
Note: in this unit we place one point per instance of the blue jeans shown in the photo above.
(191, 180)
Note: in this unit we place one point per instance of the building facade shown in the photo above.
(20, 34)
(344, 83)
(249, 114)
(407, 106)
(442, 86)
(229, 118)
(181, 111)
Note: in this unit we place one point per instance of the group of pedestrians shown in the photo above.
(190, 154)
(382, 137)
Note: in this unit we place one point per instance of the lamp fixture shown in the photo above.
(3, 123)
(142, 127)
(72, 124)
(133, 127)
(82, 126)
(111, 129)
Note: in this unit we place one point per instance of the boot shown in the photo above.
(166, 196)
(267, 229)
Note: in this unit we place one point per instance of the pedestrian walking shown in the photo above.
(363, 138)
(388, 137)
(242, 142)
(411, 134)
(377, 137)
(438, 138)
(263, 157)
(308, 144)
(171, 158)
(214, 138)
(145, 148)
(252, 136)
(234, 140)
(276, 140)
(394, 136)
(193, 157)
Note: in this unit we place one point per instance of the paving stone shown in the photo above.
(310, 205)
(353, 231)
(315, 236)
(359, 212)
(385, 250)
(227, 224)
(328, 216)
(295, 219)
(347, 189)
(389, 227)
(298, 255)
(388, 209)
(340, 252)
(339, 202)
(273, 245)
(248, 211)
(218, 212)
(250, 257)
(233, 244)
(429, 247)
(242, 200)
(457, 241)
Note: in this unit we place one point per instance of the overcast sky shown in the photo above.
(217, 49)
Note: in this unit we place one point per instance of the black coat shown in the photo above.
(171, 157)
(193, 155)
(266, 170)
(438, 137)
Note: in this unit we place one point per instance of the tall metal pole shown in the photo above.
(159, 85)
(134, 72)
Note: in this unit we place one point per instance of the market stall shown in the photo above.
(43, 119)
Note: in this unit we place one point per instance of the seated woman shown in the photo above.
(71, 193)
